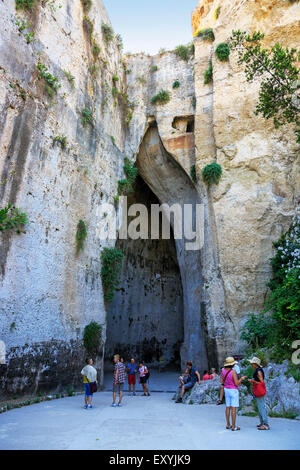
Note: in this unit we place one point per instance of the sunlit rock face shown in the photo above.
(48, 294)
(259, 190)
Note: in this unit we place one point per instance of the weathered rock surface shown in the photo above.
(47, 293)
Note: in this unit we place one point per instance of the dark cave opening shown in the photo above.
(145, 318)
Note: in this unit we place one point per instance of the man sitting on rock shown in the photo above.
(188, 380)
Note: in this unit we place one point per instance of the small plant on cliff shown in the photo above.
(12, 218)
(88, 26)
(217, 12)
(193, 173)
(208, 74)
(61, 139)
(125, 185)
(81, 234)
(212, 173)
(26, 4)
(206, 34)
(96, 49)
(86, 117)
(278, 72)
(70, 78)
(87, 4)
(223, 52)
(92, 338)
(110, 272)
(176, 84)
(184, 52)
(108, 32)
(52, 84)
(162, 97)
(154, 68)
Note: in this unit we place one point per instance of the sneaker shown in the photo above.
(119, 404)
(179, 400)
(114, 405)
(85, 407)
(90, 406)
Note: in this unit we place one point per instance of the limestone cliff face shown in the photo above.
(48, 294)
(259, 190)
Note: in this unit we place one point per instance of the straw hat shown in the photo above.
(255, 360)
(229, 361)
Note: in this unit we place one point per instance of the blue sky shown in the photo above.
(148, 25)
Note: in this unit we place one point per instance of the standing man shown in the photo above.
(118, 381)
(131, 370)
(193, 377)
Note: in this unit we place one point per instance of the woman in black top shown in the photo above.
(259, 377)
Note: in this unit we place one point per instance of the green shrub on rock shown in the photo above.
(92, 338)
(110, 272)
(162, 97)
(223, 52)
(212, 173)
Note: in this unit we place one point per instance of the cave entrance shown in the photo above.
(145, 318)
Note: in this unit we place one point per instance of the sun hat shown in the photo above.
(229, 361)
(255, 360)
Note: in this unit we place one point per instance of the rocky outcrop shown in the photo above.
(48, 294)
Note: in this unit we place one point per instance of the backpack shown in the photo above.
(148, 373)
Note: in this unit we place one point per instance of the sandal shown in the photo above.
(264, 427)
(219, 402)
(228, 427)
(237, 428)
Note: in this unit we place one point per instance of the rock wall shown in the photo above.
(48, 294)
(256, 198)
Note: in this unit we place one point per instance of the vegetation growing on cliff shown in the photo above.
(11, 218)
(26, 4)
(81, 234)
(206, 34)
(125, 185)
(110, 272)
(92, 338)
(87, 4)
(176, 84)
(52, 83)
(277, 69)
(208, 74)
(223, 52)
(184, 52)
(108, 32)
(193, 173)
(279, 325)
(212, 173)
(61, 139)
(86, 117)
(70, 78)
(163, 97)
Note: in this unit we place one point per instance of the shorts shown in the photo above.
(188, 385)
(232, 397)
(118, 387)
(131, 379)
(143, 380)
(87, 390)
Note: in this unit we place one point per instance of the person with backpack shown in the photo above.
(144, 375)
(90, 382)
(131, 369)
(259, 392)
(231, 388)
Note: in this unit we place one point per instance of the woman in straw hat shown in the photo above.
(231, 387)
(259, 391)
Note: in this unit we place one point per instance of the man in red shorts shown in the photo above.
(131, 370)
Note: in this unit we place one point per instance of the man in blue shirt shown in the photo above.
(186, 383)
(131, 369)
